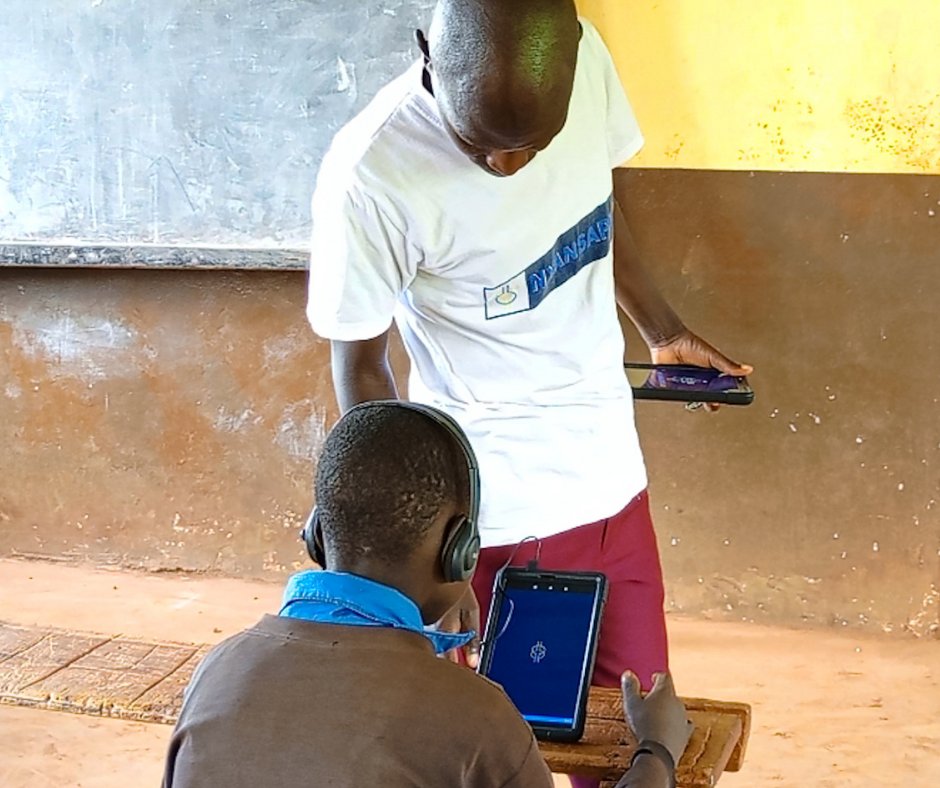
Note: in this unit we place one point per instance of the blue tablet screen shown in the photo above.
(541, 651)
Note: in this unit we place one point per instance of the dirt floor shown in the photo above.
(830, 708)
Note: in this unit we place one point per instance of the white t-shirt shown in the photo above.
(502, 289)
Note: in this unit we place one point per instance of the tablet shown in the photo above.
(540, 642)
(687, 383)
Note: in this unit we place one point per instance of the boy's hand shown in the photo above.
(463, 617)
(659, 716)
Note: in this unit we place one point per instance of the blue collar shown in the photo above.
(341, 598)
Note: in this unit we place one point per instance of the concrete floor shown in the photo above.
(831, 709)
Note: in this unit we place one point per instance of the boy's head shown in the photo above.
(397, 492)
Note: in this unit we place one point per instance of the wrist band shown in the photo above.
(657, 750)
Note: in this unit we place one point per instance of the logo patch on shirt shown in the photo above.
(585, 243)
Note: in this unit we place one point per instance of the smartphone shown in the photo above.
(540, 643)
(687, 383)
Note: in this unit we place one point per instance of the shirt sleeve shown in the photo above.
(360, 261)
(624, 138)
(646, 773)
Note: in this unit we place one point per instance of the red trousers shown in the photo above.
(623, 547)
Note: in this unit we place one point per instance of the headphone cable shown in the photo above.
(498, 592)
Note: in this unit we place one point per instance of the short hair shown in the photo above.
(487, 52)
(383, 477)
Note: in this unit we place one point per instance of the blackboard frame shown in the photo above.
(149, 256)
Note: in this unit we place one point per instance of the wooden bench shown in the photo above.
(717, 744)
(135, 679)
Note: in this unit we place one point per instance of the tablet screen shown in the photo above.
(542, 652)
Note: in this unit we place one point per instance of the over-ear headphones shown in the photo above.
(312, 538)
(462, 546)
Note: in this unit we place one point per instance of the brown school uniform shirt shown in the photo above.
(296, 703)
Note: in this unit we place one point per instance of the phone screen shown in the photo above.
(681, 378)
(682, 382)
(543, 649)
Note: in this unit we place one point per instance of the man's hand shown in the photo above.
(660, 716)
(463, 617)
(688, 348)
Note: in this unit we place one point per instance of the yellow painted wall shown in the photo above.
(821, 85)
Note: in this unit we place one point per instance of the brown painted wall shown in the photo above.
(160, 419)
(818, 503)
(170, 419)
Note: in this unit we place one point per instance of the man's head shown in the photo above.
(502, 74)
(394, 487)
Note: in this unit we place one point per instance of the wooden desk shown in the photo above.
(717, 744)
(144, 680)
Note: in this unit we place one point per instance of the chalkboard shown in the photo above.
(182, 122)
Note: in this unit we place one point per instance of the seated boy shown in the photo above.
(343, 687)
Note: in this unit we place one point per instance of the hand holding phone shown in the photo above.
(687, 383)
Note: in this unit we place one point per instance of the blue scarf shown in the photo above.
(341, 598)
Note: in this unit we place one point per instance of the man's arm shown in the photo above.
(670, 342)
(646, 772)
(361, 371)
(637, 294)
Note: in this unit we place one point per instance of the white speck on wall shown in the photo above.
(774, 412)
(815, 418)
(792, 427)
(87, 347)
(844, 237)
(279, 350)
(346, 78)
(875, 547)
(835, 536)
(900, 486)
(859, 440)
(302, 430)
(233, 422)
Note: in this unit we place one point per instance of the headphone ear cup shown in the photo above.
(313, 539)
(461, 550)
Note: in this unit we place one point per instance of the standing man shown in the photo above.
(472, 203)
